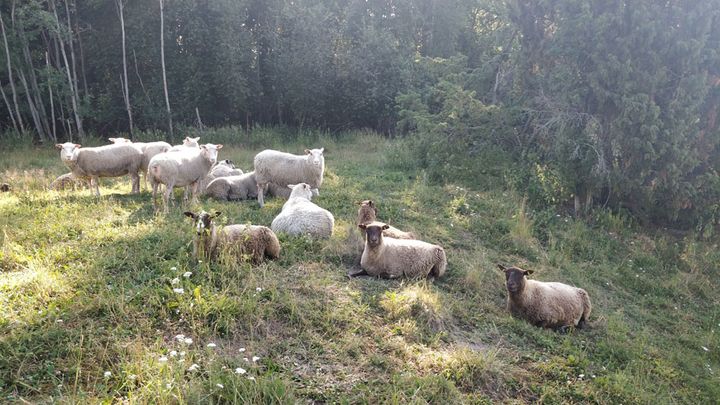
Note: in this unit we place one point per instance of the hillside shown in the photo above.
(89, 314)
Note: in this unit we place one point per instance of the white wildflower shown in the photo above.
(211, 345)
(240, 370)
(258, 289)
(107, 374)
(168, 385)
(162, 359)
(246, 360)
(251, 378)
(188, 341)
(255, 358)
(175, 281)
(182, 354)
(180, 337)
(581, 376)
(173, 353)
(706, 349)
(241, 350)
(193, 367)
(132, 377)
(187, 274)
(220, 385)
(179, 290)
(173, 268)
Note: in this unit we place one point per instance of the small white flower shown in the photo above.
(179, 290)
(168, 385)
(199, 261)
(258, 289)
(162, 359)
(193, 367)
(107, 374)
(251, 378)
(132, 377)
(175, 281)
(241, 350)
(173, 268)
(173, 353)
(246, 360)
(240, 370)
(180, 337)
(188, 341)
(187, 274)
(220, 385)
(255, 358)
(706, 349)
(211, 345)
(581, 376)
(182, 354)
(59, 321)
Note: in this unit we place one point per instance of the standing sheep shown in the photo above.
(233, 188)
(300, 216)
(181, 169)
(368, 213)
(548, 305)
(282, 168)
(149, 150)
(187, 143)
(239, 240)
(393, 258)
(103, 161)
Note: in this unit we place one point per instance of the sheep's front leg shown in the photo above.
(135, 179)
(195, 185)
(260, 197)
(168, 193)
(94, 185)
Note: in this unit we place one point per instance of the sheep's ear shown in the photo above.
(315, 192)
(528, 272)
(307, 152)
(58, 145)
(386, 226)
(190, 214)
(362, 226)
(322, 150)
(501, 267)
(218, 146)
(291, 186)
(230, 162)
(371, 203)
(77, 145)
(112, 139)
(187, 138)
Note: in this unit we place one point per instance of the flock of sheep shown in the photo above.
(388, 252)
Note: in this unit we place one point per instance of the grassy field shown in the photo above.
(89, 310)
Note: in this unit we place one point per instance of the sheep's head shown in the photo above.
(315, 156)
(119, 140)
(514, 278)
(191, 142)
(203, 221)
(367, 211)
(373, 232)
(302, 190)
(68, 151)
(226, 162)
(210, 151)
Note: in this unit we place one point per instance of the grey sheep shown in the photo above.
(393, 258)
(282, 168)
(300, 216)
(548, 305)
(102, 161)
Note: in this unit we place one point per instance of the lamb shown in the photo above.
(368, 213)
(149, 150)
(393, 258)
(181, 168)
(239, 240)
(65, 181)
(548, 305)
(300, 216)
(232, 188)
(103, 161)
(282, 168)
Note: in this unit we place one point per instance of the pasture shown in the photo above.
(100, 300)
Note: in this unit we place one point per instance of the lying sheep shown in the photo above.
(181, 169)
(65, 181)
(149, 150)
(300, 216)
(548, 305)
(233, 188)
(103, 161)
(368, 213)
(276, 190)
(187, 143)
(257, 241)
(223, 168)
(393, 258)
(282, 168)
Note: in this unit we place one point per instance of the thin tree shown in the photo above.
(10, 110)
(33, 108)
(73, 92)
(52, 104)
(124, 78)
(162, 60)
(10, 76)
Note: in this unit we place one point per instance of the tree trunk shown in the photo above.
(162, 60)
(33, 108)
(82, 58)
(72, 49)
(10, 110)
(37, 95)
(10, 76)
(52, 103)
(73, 93)
(126, 91)
(142, 86)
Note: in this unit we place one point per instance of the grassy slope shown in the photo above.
(85, 288)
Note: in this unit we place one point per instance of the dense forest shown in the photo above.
(582, 103)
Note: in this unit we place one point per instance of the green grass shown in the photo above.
(86, 288)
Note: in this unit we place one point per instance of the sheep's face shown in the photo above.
(119, 140)
(68, 151)
(210, 151)
(303, 190)
(203, 221)
(514, 278)
(227, 162)
(315, 156)
(373, 232)
(191, 142)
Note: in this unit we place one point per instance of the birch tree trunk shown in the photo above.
(33, 109)
(52, 104)
(10, 110)
(162, 60)
(73, 92)
(10, 76)
(126, 91)
(72, 50)
(36, 94)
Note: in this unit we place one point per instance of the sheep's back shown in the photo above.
(284, 168)
(301, 216)
(109, 160)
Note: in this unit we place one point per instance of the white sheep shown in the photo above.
(237, 240)
(282, 168)
(300, 216)
(181, 169)
(548, 305)
(233, 188)
(393, 258)
(67, 180)
(149, 150)
(223, 168)
(187, 143)
(102, 161)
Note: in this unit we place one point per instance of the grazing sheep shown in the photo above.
(238, 240)
(233, 188)
(393, 258)
(4, 188)
(103, 161)
(187, 143)
(65, 181)
(548, 305)
(368, 213)
(181, 169)
(149, 150)
(299, 216)
(282, 168)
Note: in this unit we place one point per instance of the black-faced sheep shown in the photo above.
(393, 258)
(548, 305)
(300, 216)
(256, 241)
(103, 161)
(282, 168)
(368, 213)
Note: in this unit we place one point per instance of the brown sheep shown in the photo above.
(548, 305)
(368, 213)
